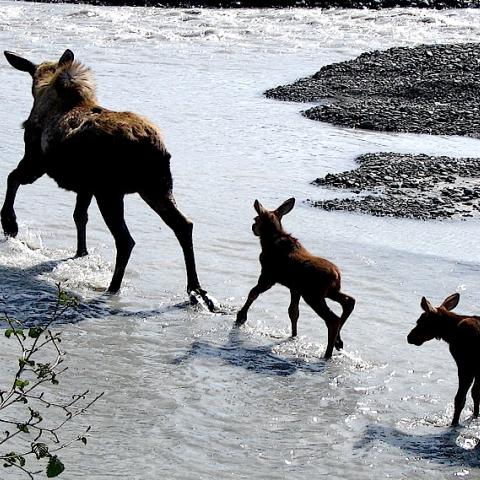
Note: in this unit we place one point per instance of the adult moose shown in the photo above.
(284, 260)
(462, 333)
(98, 153)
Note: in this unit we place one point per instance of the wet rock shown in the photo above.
(414, 187)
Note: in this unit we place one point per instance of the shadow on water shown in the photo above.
(437, 447)
(26, 296)
(258, 359)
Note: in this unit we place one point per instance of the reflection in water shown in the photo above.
(260, 359)
(439, 447)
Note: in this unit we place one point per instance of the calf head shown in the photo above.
(269, 221)
(429, 325)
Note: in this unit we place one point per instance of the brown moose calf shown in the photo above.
(462, 333)
(284, 260)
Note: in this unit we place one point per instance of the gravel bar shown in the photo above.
(411, 186)
(432, 89)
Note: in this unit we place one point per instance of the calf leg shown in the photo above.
(347, 303)
(293, 312)
(263, 285)
(476, 396)
(80, 217)
(332, 321)
(182, 228)
(465, 380)
(111, 208)
(25, 173)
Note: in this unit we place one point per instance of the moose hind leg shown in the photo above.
(331, 320)
(182, 228)
(111, 208)
(476, 396)
(348, 304)
(465, 379)
(80, 217)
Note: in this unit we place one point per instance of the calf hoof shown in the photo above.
(81, 253)
(9, 225)
(339, 344)
(454, 423)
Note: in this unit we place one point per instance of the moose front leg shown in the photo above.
(24, 174)
(80, 217)
(293, 311)
(112, 210)
(263, 285)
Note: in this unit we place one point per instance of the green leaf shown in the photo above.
(21, 384)
(35, 332)
(8, 332)
(55, 467)
(23, 427)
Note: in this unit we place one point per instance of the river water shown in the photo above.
(187, 396)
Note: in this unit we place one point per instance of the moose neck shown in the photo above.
(447, 324)
(275, 238)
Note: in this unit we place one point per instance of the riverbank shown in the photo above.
(410, 186)
(374, 4)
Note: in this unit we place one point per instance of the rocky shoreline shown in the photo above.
(432, 89)
(373, 4)
(409, 186)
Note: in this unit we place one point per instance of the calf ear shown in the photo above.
(20, 63)
(451, 302)
(66, 58)
(285, 207)
(427, 306)
(259, 208)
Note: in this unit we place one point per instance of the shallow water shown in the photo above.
(187, 396)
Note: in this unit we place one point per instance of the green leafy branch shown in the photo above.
(39, 363)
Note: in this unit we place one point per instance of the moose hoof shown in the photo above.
(81, 253)
(339, 344)
(200, 296)
(241, 318)
(9, 225)
(112, 290)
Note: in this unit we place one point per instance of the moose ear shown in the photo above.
(285, 207)
(427, 306)
(258, 207)
(66, 58)
(20, 63)
(451, 301)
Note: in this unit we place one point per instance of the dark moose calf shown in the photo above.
(98, 153)
(284, 260)
(462, 333)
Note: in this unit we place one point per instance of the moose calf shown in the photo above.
(462, 333)
(284, 260)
